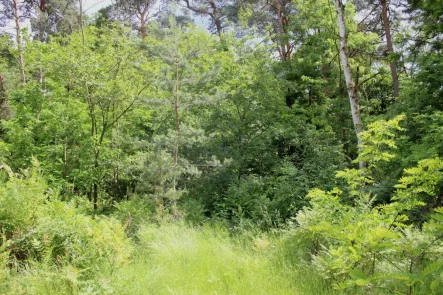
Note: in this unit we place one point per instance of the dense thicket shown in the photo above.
(306, 135)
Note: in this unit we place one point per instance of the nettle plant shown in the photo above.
(369, 248)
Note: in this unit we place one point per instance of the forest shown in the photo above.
(221, 147)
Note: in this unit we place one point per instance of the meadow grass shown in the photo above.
(179, 259)
(176, 259)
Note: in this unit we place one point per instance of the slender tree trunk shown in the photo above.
(65, 157)
(143, 32)
(41, 32)
(350, 84)
(95, 185)
(95, 196)
(390, 47)
(177, 134)
(65, 140)
(116, 144)
(18, 36)
(283, 49)
(177, 117)
(80, 16)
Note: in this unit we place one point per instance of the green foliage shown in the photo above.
(379, 141)
(39, 229)
(21, 197)
(134, 212)
(182, 127)
(371, 247)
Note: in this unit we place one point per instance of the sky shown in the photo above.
(92, 6)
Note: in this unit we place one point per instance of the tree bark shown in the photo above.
(390, 47)
(143, 17)
(283, 22)
(217, 19)
(350, 84)
(18, 37)
(143, 27)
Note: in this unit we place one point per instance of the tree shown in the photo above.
(140, 9)
(390, 47)
(186, 68)
(430, 19)
(103, 85)
(282, 10)
(5, 58)
(54, 17)
(215, 9)
(350, 84)
(272, 19)
(16, 10)
(379, 18)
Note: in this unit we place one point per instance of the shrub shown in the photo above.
(41, 230)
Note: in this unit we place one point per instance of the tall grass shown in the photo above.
(176, 259)
(179, 259)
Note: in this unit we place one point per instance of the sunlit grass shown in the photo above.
(182, 260)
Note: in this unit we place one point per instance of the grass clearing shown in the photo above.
(181, 260)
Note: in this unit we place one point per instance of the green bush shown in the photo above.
(134, 212)
(44, 236)
(365, 248)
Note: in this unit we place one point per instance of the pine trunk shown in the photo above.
(390, 47)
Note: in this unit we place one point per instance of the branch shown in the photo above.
(195, 9)
(125, 110)
(120, 115)
(366, 80)
(375, 7)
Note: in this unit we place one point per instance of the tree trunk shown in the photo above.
(41, 32)
(177, 117)
(217, 19)
(390, 47)
(143, 25)
(18, 36)
(95, 185)
(219, 28)
(80, 18)
(283, 45)
(350, 84)
(214, 14)
(42, 20)
(65, 157)
(95, 196)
